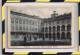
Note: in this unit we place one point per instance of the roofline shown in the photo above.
(26, 15)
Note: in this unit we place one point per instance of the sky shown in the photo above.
(41, 11)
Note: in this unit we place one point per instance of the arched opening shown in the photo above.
(58, 28)
(63, 28)
(49, 28)
(63, 35)
(53, 36)
(46, 29)
(42, 30)
(53, 28)
(68, 35)
(68, 27)
(46, 35)
(50, 36)
(58, 36)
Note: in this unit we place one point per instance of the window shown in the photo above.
(16, 20)
(42, 29)
(68, 27)
(63, 35)
(29, 37)
(24, 28)
(20, 28)
(46, 35)
(54, 36)
(49, 35)
(58, 35)
(49, 28)
(20, 21)
(63, 28)
(23, 21)
(46, 29)
(49, 23)
(26, 21)
(29, 22)
(53, 28)
(35, 38)
(68, 35)
(58, 28)
(16, 27)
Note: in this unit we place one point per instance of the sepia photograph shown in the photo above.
(41, 26)
(48, 26)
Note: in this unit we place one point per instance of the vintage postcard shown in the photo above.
(41, 26)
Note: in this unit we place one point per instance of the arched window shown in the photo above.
(54, 36)
(29, 37)
(68, 27)
(63, 35)
(58, 28)
(35, 37)
(53, 28)
(42, 30)
(20, 28)
(16, 20)
(63, 28)
(24, 21)
(49, 28)
(16, 28)
(46, 35)
(46, 29)
(20, 21)
(49, 35)
(68, 35)
(58, 35)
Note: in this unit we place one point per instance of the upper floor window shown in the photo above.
(24, 21)
(49, 28)
(63, 28)
(54, 28)
(58, 28)
(20, 21)
(16, 20)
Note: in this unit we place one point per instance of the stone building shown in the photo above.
(29, 28)
(23, 25)
(57, 28)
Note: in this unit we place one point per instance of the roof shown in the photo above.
(60, 17)
(25, 15)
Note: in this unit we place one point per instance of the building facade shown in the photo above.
(27, 28)
(57, 28)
